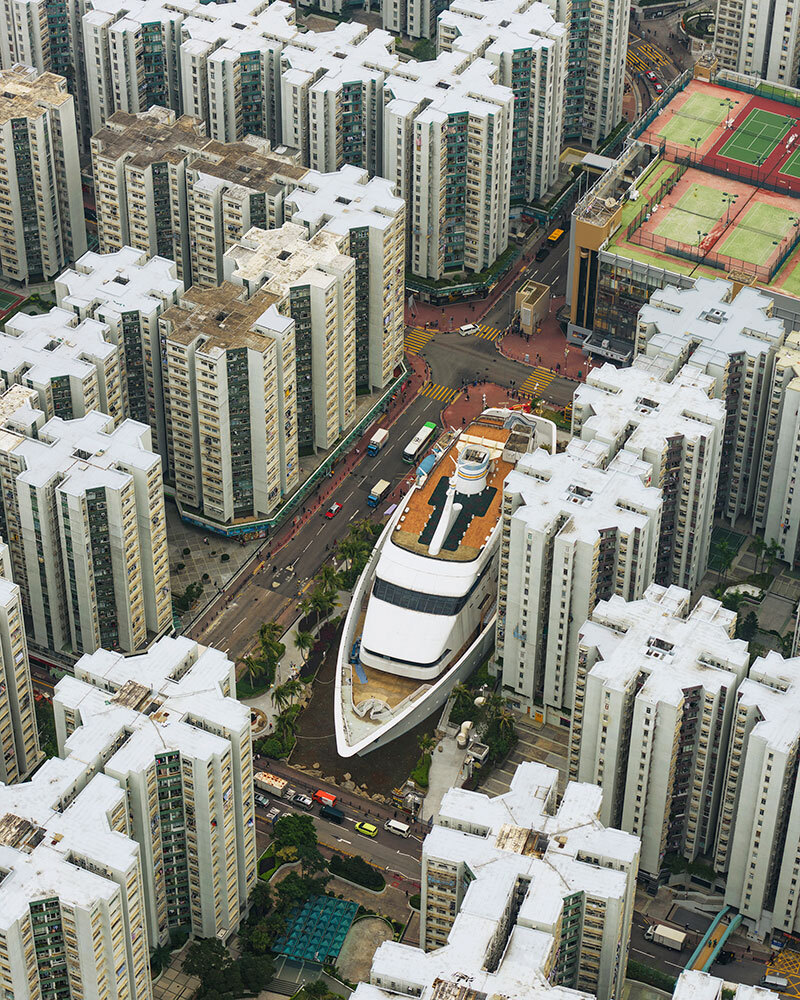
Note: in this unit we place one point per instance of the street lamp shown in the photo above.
(729, 199)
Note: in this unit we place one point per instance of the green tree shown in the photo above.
(254, 669)
(304, 641)
(724, 554)
(772, 554)
(322, 602)
(747, 629)
(352, 550)
(328, 579)
(283, 695)
(256, 972)
(426, 744)
(206, 955)
(758, 545)
(293, 830)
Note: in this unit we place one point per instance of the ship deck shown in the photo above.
(480, 512)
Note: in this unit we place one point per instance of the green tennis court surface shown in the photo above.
(696, 118)
(756, 233)
(792, 165)
(699, 208)
(756, 137)
(7, 299)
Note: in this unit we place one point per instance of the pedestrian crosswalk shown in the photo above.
(417, 337)
(487, 332)
(539, 379)
(442, 393)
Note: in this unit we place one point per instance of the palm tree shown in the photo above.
(505, 721)
(304, 607)
(322, 603)
(426, 744)
(254, 669)
(772, 554)
(352, 549)
(304, 641)
(328, 578)
(283, 695)
(724, 553)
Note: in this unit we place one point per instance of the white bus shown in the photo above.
(417, 443)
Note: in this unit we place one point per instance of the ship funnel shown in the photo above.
(472, 469)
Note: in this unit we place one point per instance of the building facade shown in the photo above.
(574, 533)
(655, 695)
(83, 511)
(678, 430)
(230, 402)
(370, 221)
(313, 283)
(127, 291)
(39, 235)
(167, 727)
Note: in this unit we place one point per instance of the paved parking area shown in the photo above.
(545, 744)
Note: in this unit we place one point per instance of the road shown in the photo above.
(266, 594)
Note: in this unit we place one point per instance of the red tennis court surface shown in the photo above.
(704, 119)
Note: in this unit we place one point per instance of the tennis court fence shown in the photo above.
(655, 198)
(686, 251)
(711, 163)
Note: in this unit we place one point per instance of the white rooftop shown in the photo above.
(663, 647)
(773, 690)
(710, 318)
(592, 498)
(490, 27)
(107, 285)
(342, 200)
(449, 84)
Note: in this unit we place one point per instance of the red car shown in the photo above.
(333, 510)
(651, 76)
(658, 88)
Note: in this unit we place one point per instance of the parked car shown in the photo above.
(658, 88)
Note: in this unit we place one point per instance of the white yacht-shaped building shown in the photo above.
(422, 614)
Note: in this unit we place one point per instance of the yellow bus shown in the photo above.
(555, 237)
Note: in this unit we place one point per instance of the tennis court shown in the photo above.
(699, 208)
(696, 118)
(719, 535)
(8, 299)
(792, 165)
(756, 137)
(756, 233)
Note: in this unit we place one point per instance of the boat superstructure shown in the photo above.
(422, 613)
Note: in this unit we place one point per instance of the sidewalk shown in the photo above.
(548, 348)
(447, 771)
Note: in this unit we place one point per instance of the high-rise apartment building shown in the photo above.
(734, 337)
(448, 139)
(370, 221)
(167, 727)
(759, 822)
(230, 402)
(83, 512)
(677, 429)
(574, 533)
(72, 908)
(777, 514)
(655, 691)
(332, 94)
(530, 50)
(759, 39)
(72, 363)
(19, 736)
(312, 282)
(232, 187)
(127, 291)
(42, 227)
(516, 890)
(139, 166)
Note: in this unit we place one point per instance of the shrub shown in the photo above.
(653, 977)
(414, 901)
(357, 870)
(275, 747)
(421, 771)
(206, 577)
(224, 557)
(179, 567)
(187, 551)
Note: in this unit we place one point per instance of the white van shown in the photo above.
(777, 983)
(400, 829)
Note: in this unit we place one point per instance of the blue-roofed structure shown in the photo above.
(315, 931)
